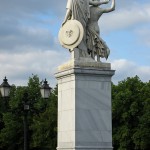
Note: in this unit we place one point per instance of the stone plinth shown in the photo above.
(84, 107)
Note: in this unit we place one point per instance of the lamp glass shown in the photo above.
(5, 91)
(45, 93)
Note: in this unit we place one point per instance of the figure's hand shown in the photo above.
(67, 17)
(63, 23)
(106, 1)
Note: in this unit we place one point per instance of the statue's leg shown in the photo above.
(93, 54)
(98, 58)
(83, 48)
(98, 54)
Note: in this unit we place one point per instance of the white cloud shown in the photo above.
(26, 36)
(127, 17)
(125, 68)
(19, 66)
(30, 7)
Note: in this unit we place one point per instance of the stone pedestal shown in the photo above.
(84, 106)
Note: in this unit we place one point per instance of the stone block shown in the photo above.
(84, 108)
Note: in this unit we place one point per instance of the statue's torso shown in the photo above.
(80, 7)
(95, 14)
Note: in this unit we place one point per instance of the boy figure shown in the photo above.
(96, 45)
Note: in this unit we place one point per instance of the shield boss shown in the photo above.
(71, 34)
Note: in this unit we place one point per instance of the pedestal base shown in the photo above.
(85, 148)
(84, 108)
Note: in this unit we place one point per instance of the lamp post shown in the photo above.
(26, 109)
(45, 93)
(5, 88)
(5, 91)
(45, 90)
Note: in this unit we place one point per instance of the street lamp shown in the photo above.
(45, 92)
(5, 88)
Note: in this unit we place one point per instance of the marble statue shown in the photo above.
(84, 83)
(95, 44)
(78, 27)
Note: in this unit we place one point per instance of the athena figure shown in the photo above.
(79, 10)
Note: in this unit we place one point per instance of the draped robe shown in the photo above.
(80, 11)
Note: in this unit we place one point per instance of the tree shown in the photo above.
(129, 114)
(130, 107)
(42, 123)
(45, 126)
(141, 136)
(11, 135)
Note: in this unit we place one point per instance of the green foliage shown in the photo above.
(42, 123)
(45, 125)
(142, 135)
(9, 134)
(131, 114)
(131, 117)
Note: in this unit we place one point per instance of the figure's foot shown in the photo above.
(98, 58)
(84, 53)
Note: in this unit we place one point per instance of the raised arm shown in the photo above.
(68, 16)
(112, 8)
(105, 2)
(96, 3)
(68, 12)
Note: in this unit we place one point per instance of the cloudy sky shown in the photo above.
(29, 43)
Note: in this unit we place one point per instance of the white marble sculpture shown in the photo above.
(72, 35)
(84, 84)
(95, 44)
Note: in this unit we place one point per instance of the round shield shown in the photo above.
(71, 34)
